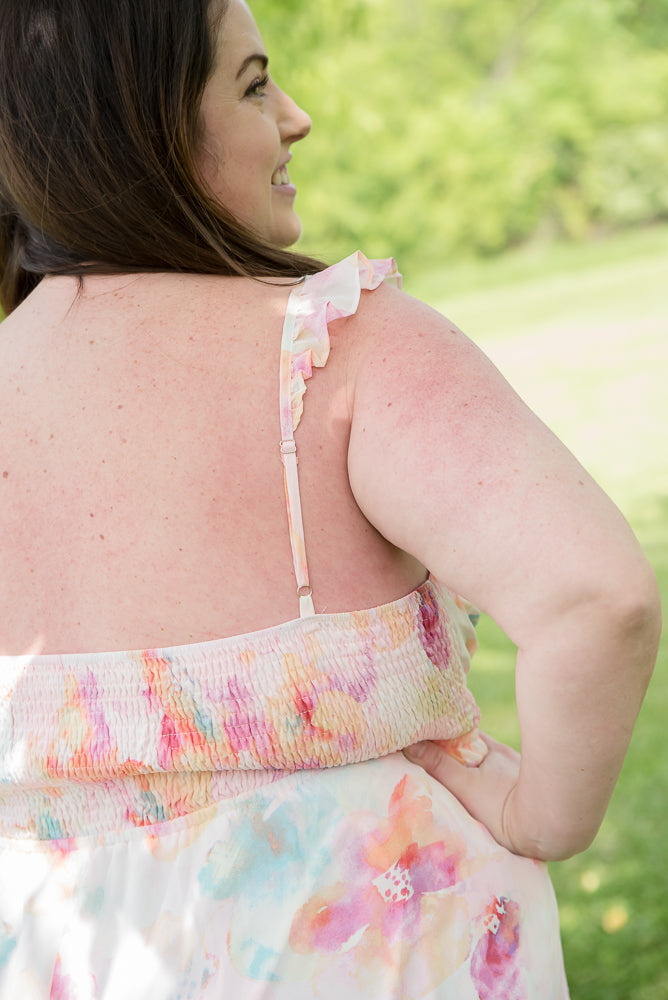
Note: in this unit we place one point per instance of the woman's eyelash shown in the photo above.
(258, 85)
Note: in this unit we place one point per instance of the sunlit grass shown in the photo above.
(517, 276)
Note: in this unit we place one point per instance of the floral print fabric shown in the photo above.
(92, 743)
(232, 820)
(368, 878)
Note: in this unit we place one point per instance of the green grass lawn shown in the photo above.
(582, 333)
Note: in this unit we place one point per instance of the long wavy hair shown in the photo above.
(99, 129)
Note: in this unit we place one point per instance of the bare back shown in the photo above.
(141, 481)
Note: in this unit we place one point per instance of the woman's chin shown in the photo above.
(287, 239)
(286, 230)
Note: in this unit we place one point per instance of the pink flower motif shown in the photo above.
(83, 743)
(61, 986)
(495, 966)
(390, 909)
(433, 632)
(76, 986)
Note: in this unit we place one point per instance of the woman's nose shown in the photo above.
(296, 124)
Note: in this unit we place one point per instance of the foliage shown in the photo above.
(457, 127)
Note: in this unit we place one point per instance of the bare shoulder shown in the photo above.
(449, 464)
(389, 317)
(392, 325)
(408, 358)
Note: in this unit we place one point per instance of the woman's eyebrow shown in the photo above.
(256, 57)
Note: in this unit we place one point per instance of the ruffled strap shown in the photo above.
(319, 300)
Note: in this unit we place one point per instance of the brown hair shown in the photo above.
(99, 124)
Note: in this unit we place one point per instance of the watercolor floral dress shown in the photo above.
(233, 819)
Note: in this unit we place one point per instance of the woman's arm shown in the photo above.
(448, 464)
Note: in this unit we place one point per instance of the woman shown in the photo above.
(224, 810)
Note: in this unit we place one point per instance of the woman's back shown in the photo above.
(142, 497)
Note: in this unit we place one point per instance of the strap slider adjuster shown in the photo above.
(288, 447)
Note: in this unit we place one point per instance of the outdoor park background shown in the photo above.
(513, 156)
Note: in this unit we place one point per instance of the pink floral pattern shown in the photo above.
(495, 965)
(386, 890)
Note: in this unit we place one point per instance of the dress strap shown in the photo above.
(318, 300)
(290, 474)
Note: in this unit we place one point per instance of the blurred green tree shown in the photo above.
(456, 127)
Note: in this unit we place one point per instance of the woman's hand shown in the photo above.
(487, 791)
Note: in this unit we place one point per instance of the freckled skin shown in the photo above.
(189, 512)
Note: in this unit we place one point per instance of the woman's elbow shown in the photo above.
(637, 612)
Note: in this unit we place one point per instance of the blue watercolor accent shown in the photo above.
(261, 962)
(49, 828)
(204, 724)
(7, 944)
(257, 854)
(152, 810)
(260, 865)
(93, 902)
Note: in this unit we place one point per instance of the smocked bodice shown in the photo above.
(117, 738)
